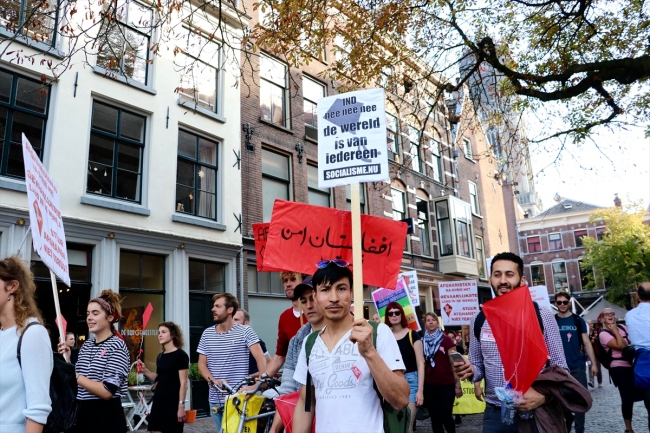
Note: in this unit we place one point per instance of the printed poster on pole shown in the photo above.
(383, 297)
(459, 301)
(540, 295)
(352, 138)
(45, 215)
(411, 280)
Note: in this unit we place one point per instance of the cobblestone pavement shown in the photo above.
(604, 416)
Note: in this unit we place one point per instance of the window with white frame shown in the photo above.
(399, 208)
(467, 148)
(537, 274)
(273, 91)
(600, 233)
(23, 110)
(115, 153)
(362, 197)
(34, 19)
(437, 161)
(424, 231)
(555, 241)
(473, 198)
(200, 74)
(196, 175)
(312, 91)
(392, 135)
(560, 278)
(578, 235)
(414, 151)
(455, 234)
(480, 257)
(317, 196)
(276, 180)
(124, 40)
(534, 244)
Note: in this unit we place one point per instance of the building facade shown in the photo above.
(552, 248)
(147, 164)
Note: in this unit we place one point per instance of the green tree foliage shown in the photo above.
(621, 259)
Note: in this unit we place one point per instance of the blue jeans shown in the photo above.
(492, 422)
(579, 374)
(412, 379)
(217, 418)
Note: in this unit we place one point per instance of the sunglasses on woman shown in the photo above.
(394, 313)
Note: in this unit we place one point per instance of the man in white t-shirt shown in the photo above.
(343, 363)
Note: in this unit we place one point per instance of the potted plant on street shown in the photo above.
(199, 392)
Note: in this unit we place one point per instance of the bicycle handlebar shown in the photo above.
(264, 379)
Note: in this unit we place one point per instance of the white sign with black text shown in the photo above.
(540, 295)
(45, 215)
(352, 138)
(458, 301)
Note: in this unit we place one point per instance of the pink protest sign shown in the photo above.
(64, 324)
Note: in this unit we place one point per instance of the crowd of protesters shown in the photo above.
(318, 338)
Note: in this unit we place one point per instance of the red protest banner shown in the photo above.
(301, 235)
(261, 231)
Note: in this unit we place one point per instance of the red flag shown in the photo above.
(516, 329)
(261, 231)
(301, 235)
(146, 316)
(285, 405)
(64, 324)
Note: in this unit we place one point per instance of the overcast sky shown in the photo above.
(621, 166)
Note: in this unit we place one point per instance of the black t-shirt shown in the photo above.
(407, 351)
(169, 383)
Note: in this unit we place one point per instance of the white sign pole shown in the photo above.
(57, 307)
(357, 269)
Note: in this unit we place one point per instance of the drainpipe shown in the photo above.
(241, 277)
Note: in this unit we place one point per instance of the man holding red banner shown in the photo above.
(343, 364)
(485, 362)
(289, 323)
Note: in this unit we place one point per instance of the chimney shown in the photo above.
(617, 201)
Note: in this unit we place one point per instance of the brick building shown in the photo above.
(437, 178)
(551, 246)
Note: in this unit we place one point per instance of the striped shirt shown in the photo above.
(106, 362)
(227, 355)
(484, 355)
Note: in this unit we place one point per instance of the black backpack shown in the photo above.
(604, 353)
(63, 392)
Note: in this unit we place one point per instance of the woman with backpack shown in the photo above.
(102, 369)
(410, 347)
(614, 338)
(168, 408)
(25, 387)
(441, 387)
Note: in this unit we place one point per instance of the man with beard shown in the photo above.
(289, 323)
(507, 273)
(224, 350)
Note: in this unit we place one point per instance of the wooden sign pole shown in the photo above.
(59, 318)
(357, 268)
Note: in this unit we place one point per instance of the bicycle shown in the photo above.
(268, 407)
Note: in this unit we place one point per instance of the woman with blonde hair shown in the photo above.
(102, 369)
(168, 409)
(25, 388)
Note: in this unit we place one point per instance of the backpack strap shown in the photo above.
(578, 323)
(20, 341)
(309, 344)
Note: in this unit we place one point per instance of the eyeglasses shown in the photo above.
(609, 314)
(393, 313)
(562, 302)
(338, 262)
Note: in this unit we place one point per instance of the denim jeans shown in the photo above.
(217, 418)
(579, 374)
(492, 422)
